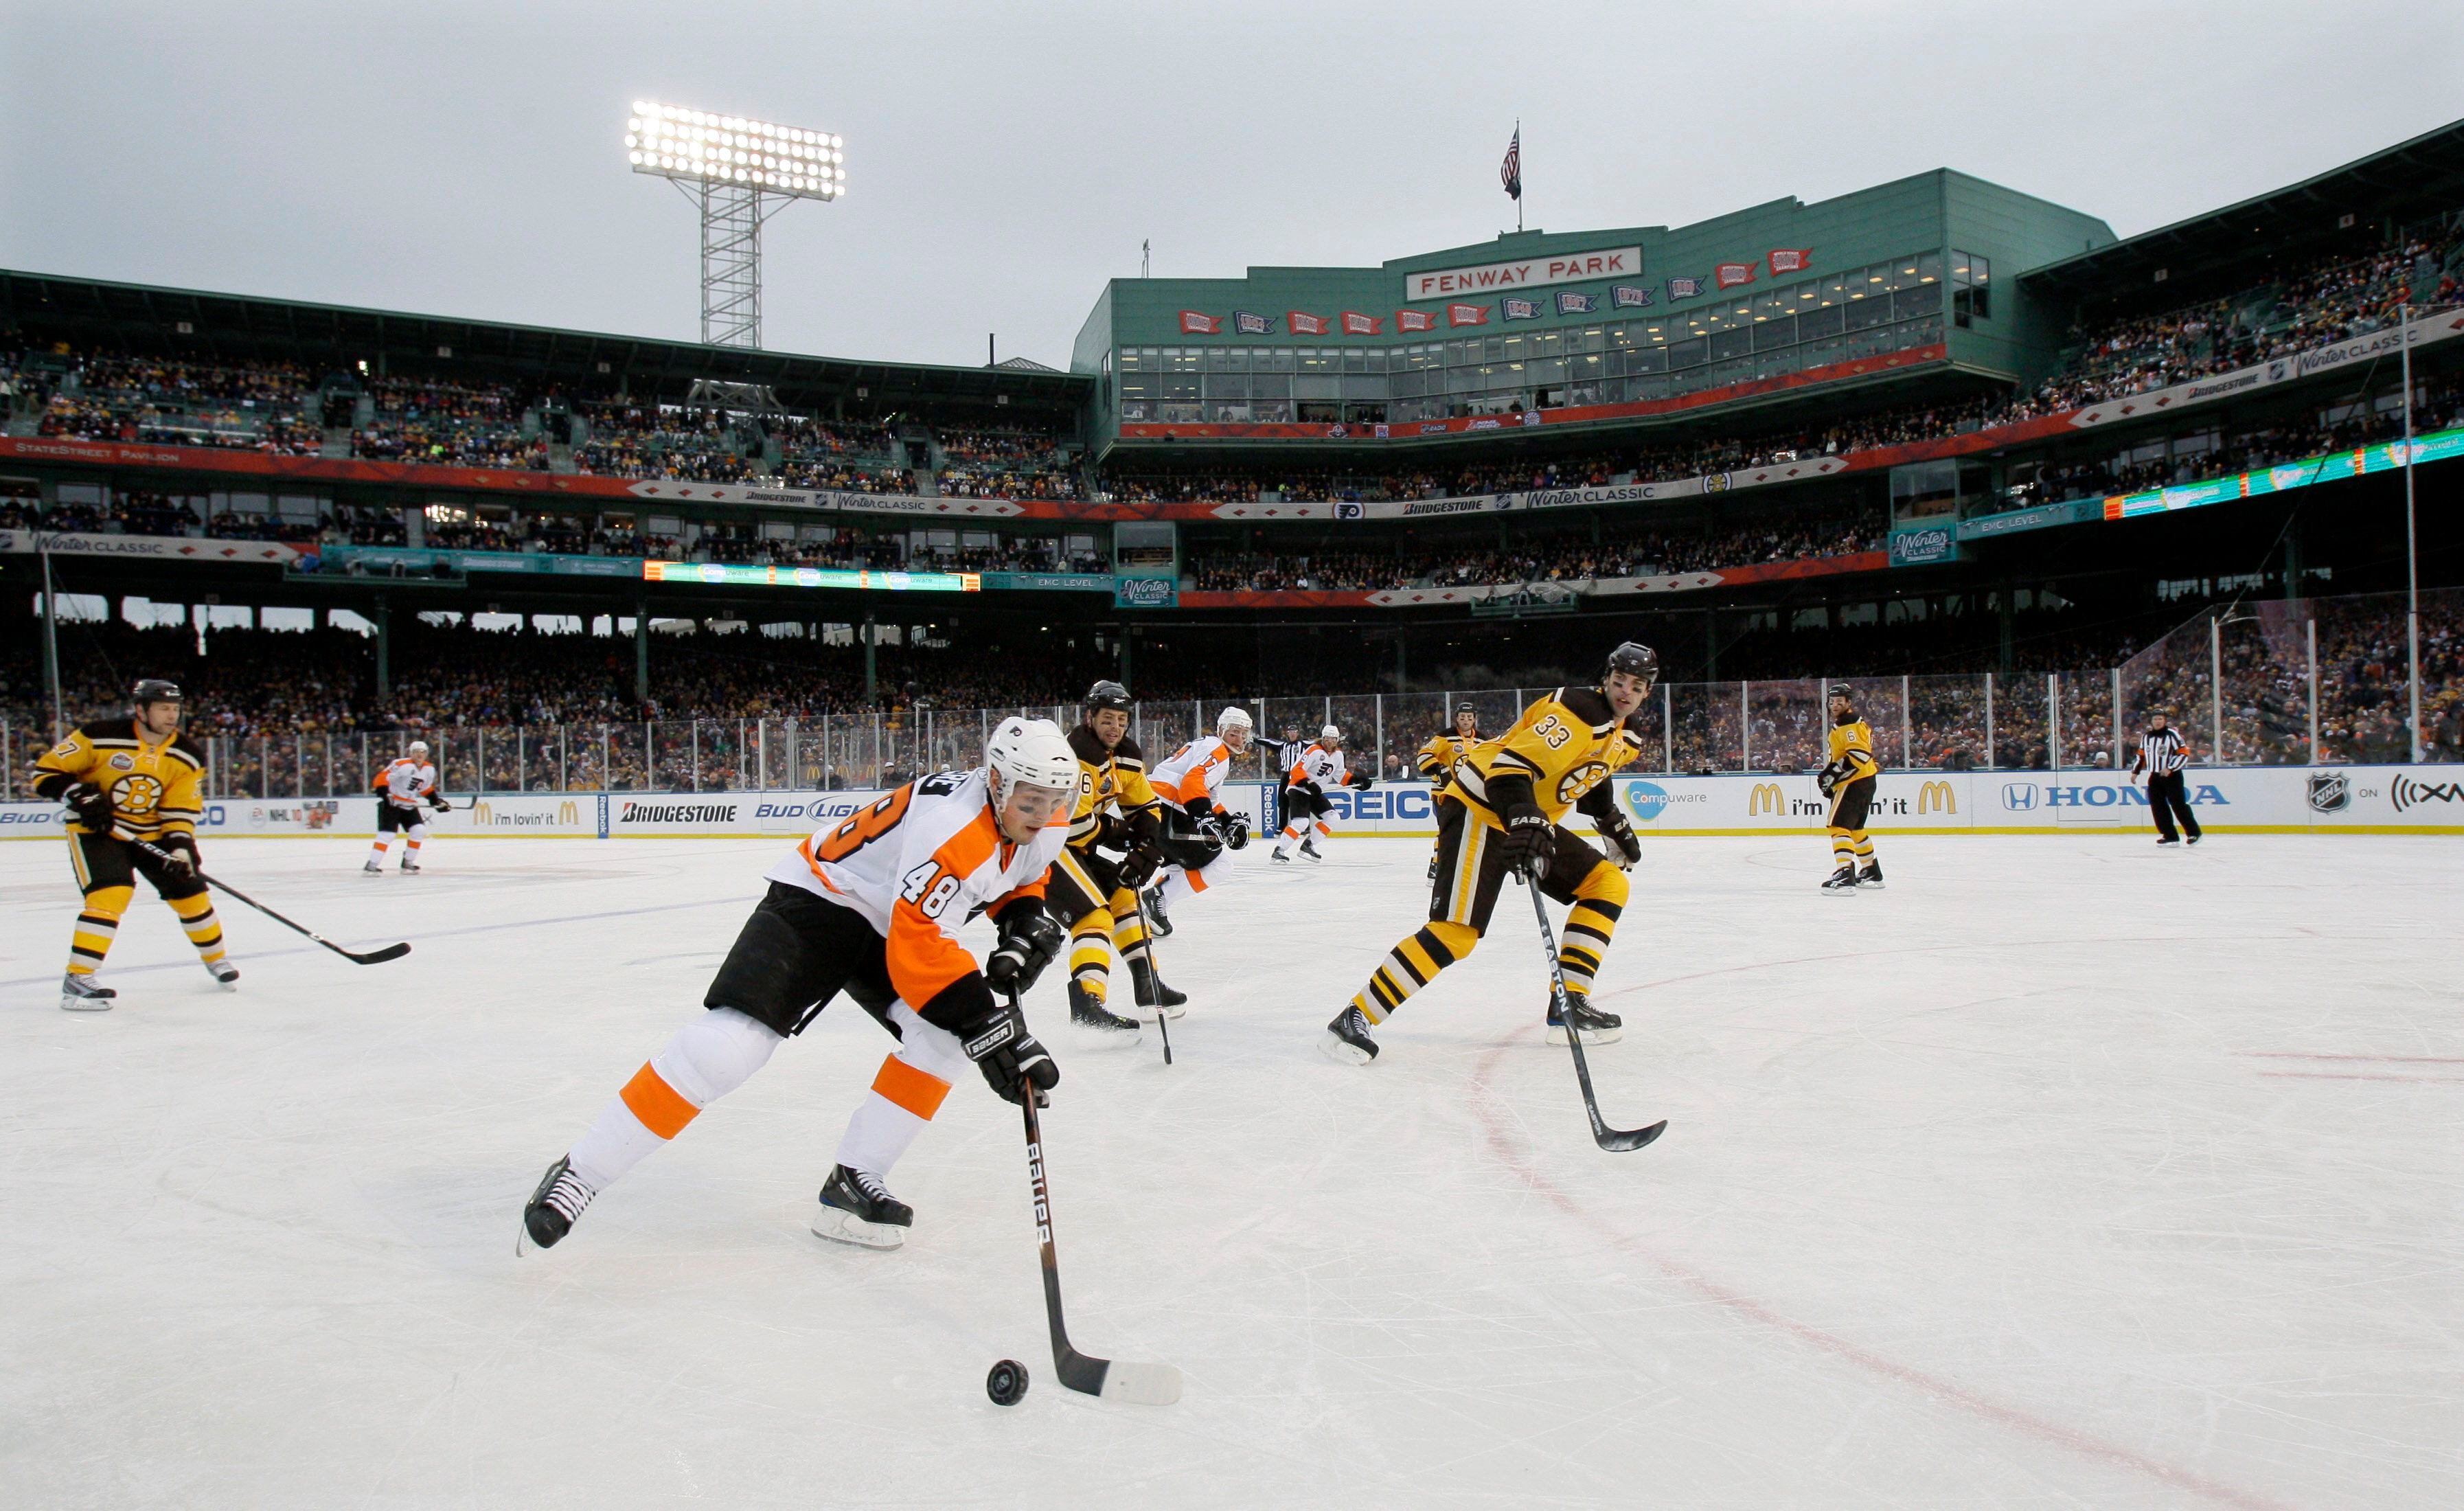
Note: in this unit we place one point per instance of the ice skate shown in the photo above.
(1347, 1038)
(1087, 1010)
(1308, 848)
(226, 974)
(2166, 839)
(1871, 875)
(1154, 992)
(1282, 859)
(410, 868)
(857, 1209)
(553, 1209)
(373, 869)
(84, 994)
(1843, 882)
(1156, 919)
(1595, 1026)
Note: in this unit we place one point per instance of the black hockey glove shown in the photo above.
(1030, 939)
(1192, 851)
(1234, 830)
(1828, 779)
(1360, 781)
(1007, 1052)
(1615, 829)
(91, 805)
(179, 855)
(1525, 840)
(1140, 866)
(437, 801)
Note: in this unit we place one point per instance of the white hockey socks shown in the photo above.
(904, 1095)
(710, 1057)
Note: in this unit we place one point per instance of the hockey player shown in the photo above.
(406, 782)
(1196, 828)
(125, 781)
(1436, 758)
(1848, 780)
(1305, 804)
(1095, 895)
(871, 909)
(1503, 811)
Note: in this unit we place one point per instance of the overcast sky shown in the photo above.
(1004, 159)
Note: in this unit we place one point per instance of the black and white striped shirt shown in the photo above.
(2161, 753)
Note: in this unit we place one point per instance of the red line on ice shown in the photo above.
(1503, 1145)
(2390, 1059)
(2349, 1074)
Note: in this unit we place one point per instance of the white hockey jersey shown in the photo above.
(406, 782)
(917, 864)
(1317, 763)
(1193, 772)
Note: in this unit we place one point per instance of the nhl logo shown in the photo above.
(2330, 791)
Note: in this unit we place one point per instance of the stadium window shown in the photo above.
(1775, 333)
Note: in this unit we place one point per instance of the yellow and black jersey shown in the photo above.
(1436, 758)
(157, 787)
(1563, 748)
(1110, 781)
(1852, 751)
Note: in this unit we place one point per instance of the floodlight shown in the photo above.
(727, 164)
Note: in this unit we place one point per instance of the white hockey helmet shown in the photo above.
(1032, 751)
(416, 747)
(1233, 719)
(1331, 733)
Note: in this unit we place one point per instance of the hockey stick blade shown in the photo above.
(1139, 1384)
(373, 957)
(1617, 1141)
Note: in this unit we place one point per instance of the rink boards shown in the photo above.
(2357, 799)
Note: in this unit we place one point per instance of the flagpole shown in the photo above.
(1518, 176)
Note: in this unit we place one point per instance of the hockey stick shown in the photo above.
(1143, 1383)
(1155, 970)
(1616, 1140)
(374, 957)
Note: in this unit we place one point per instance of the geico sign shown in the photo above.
(1401, 802)
(2019, 797)
(1937, 795)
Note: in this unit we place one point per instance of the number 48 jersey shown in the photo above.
(917, 864)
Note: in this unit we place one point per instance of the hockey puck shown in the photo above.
(1008, 1383)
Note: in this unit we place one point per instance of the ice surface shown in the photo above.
(2066, 1173)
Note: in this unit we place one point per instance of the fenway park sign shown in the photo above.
(1488, 277)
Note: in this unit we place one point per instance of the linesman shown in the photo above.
(2163, 756)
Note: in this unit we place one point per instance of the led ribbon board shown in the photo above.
(718, 574)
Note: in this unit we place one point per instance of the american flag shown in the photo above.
(1510, 173)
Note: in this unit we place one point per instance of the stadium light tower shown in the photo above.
(727, 165)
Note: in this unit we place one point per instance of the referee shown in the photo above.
(2162, 756)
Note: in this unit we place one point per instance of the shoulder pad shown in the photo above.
(1587, 703)
(189, 747)
(1084, 744)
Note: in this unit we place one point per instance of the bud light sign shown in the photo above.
(1922, 548)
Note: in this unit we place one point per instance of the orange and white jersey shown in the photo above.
(1317, 763)
(1193, 772)
(917, 864)
(406, 782)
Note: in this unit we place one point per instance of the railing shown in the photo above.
(2273, 683)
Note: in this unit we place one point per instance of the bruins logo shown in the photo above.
(1580, 780)
(137, 795)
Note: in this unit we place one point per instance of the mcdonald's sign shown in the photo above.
(1937, 794)
(1767, 798)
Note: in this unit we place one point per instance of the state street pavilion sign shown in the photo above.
(1569, 267)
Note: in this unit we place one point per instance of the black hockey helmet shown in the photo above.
(154, 689)
(1840, 694)
(1108, 694)
(1635, 660)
